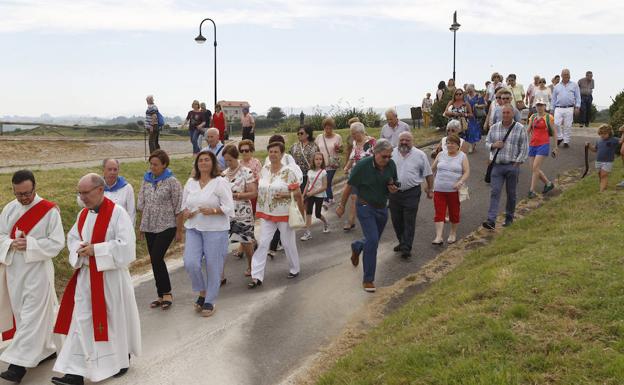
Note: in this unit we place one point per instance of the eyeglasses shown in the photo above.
(507, 98)
(245, 150)
(386, 156)
(81, 193)
(24, 194)
(498, 97)
(300, 133)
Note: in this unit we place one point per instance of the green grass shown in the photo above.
(542, 304)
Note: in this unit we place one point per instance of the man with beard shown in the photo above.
(412, 170)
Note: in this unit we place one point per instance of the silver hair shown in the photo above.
(95, 179)
(382, 145)
(406, 133)
(212, 130)
(470, 86)
(453, 123)
(358, 127)
(109, 159)
(149, 97)
(391, 111)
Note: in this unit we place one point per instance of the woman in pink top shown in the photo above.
(330, 145)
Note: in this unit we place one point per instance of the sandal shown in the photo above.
(166, 304)
(207, 310)
(348, 227)
(199, 303)
(254, 284)
(156, 303)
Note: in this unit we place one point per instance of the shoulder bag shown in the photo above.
(488, 173)
(295, 219)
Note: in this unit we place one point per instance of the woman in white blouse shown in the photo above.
(207, 207)
(277, 183)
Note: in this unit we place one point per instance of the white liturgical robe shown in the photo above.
(81, 354)
(27, 282)
(124, 197)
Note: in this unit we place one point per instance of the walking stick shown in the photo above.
(586, 160)
(144, 144)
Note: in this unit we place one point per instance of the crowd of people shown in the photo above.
(230, 191)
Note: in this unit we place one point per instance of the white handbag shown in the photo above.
(464, 193)
(295, 219)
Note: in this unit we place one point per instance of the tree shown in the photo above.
(276, 114)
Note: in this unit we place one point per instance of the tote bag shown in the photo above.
(295, 219)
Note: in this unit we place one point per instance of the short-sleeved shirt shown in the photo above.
(539, 128)
(411, 169)
(392, 134)
(606, 149)
(195, 118)
(372, 183)
(315, 183)
(516, 92)
(269, 207)
(586, 86)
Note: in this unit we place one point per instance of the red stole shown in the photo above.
(25, 223)
(98, 302)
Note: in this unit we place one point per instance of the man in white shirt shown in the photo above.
(117, 188)
(566, 100)
(31, 234)
(393, 128)
(412, 170)
(215, 146)
(98, 311)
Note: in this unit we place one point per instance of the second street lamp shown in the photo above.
(454, 27)
(200, 39)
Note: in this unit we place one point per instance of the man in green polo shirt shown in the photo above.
(374, 177)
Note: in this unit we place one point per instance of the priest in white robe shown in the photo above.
(98, 311)
(31, 234)
(116, 188)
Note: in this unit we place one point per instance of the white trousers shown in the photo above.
(287, 236)
(563, 119)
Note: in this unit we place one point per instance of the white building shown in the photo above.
(232, 109)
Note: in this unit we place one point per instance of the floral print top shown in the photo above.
(304, 155)
(269, 207)
(255, 166)
(159, 204)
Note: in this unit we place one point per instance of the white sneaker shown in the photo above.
(306, 236)
(325, 228)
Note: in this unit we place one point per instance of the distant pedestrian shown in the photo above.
(249, 125)
(330, 145)
(512, 152)
(458, 109)
(450, 86)
(151, 123)
(195, 122)
(554, 81)
(393, 127)
(497, 82)
(451, 170)
(207, 118)
(541, 128)
(586, 86)
(413, 171)
(426, 105)
(530, 92)
(477, 105)
(541, 92)
(314, 194)
(215, 146)
(566, 101)
(606, 147)
(375, 177)
(517, 92)
(219, 122)
(441, 90)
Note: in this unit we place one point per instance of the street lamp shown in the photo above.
(454, 27)
(200, 39)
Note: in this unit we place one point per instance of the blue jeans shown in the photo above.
(194, 135)
(507, 174)
(204, 255)
(329, 192)
(373, 222)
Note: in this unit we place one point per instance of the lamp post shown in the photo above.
(200, 39)
(454, 27)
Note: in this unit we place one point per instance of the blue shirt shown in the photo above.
(218, 151)
(606, 149)
(566, 95)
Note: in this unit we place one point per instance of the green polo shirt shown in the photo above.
(372, 183)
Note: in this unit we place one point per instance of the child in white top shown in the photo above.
(314, 194)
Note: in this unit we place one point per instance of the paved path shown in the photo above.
(260, 337)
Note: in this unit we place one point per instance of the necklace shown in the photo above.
(230, 173)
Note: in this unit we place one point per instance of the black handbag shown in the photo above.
(488, 172)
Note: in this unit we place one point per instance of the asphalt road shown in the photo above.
(260, 337)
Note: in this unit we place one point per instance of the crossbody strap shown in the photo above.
(513, 124)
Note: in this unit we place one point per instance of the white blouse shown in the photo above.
(216, 194)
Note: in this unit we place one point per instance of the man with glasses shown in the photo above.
(503, 98)
(31, 234)
(393, 128)
(374, 177)
(98, 313)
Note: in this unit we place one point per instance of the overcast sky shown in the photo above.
(102, 57)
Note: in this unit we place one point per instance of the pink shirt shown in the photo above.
(247, 120)
(329, 150)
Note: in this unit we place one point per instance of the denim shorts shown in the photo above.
(606, 166)
(542, 150)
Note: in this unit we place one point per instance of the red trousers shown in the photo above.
(442, 200)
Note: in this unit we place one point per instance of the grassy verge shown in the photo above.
(542, 304)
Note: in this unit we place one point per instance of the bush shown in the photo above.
(616, 111)
(315, 121)
(288, 125)
(437, 110)
(592, 115)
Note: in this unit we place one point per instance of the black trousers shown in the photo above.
(157, 245)
(403, 210)
(247, 134)
(586, 104)
(153, 140)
